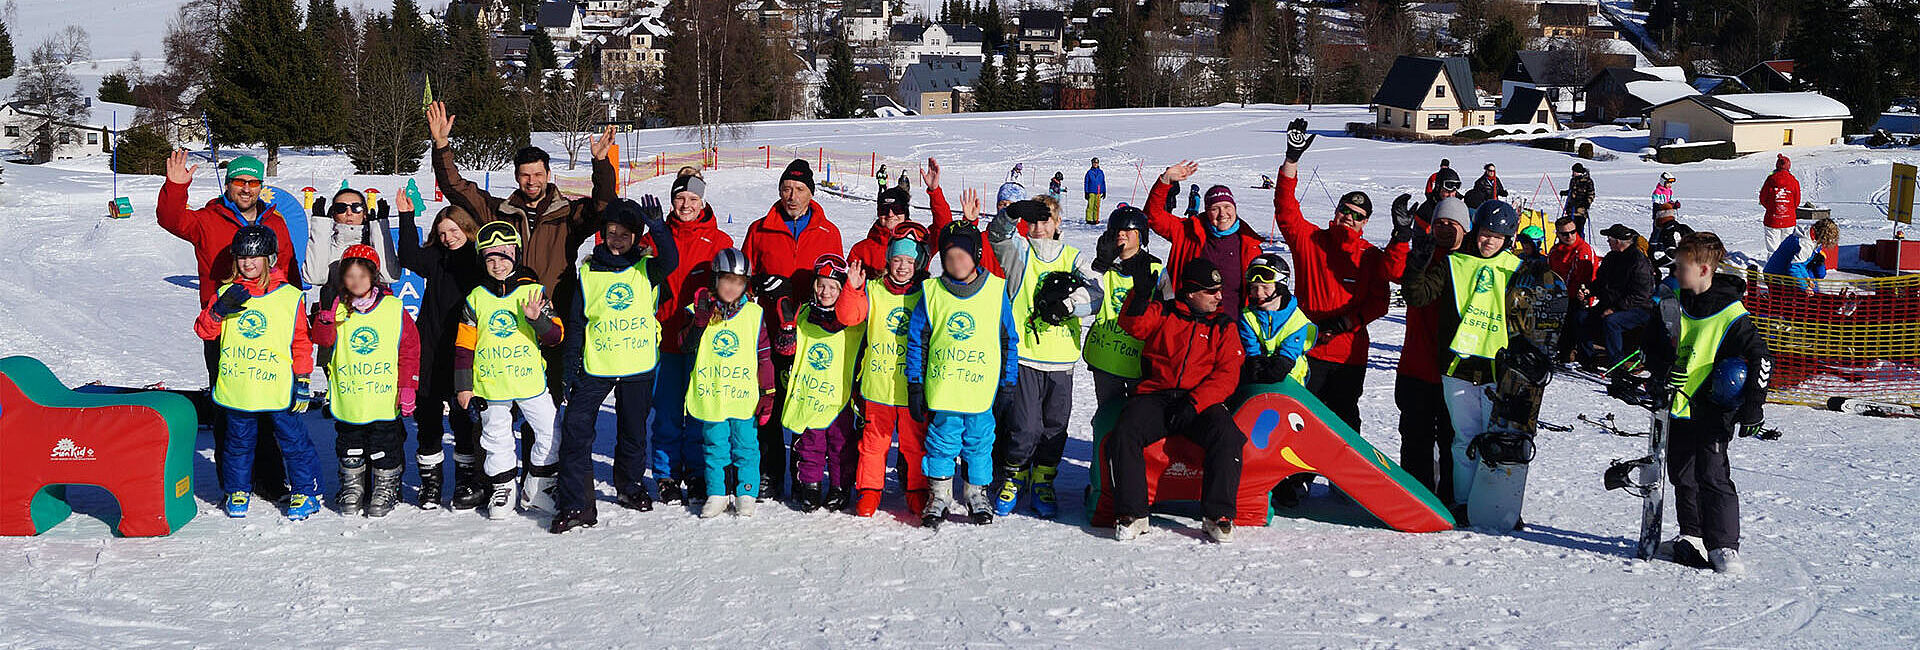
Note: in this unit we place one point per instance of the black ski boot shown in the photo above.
(431, 478)
(636, 498)
(837, 499)
(670, 493)
(352, 498)
(469, 491)
(571, 519)
(696, 492)
(386, 491)
(807, 497)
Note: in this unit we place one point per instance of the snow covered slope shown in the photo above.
(1829, 511)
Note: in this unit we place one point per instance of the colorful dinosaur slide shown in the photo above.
(138, 446)
(1288, 431)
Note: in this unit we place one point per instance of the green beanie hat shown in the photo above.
(246, 166)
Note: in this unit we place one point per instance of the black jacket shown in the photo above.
(1580, 191)
(658, 267)
(450, 276)
(1742, 340)
(1625, 281)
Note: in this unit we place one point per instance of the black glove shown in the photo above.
(320, 207)
(231, 301)
(1331, 328)
(383, 210)
(1105, 251)
(1419, 255)
(1298, 139)
(917, 403)
(1757, 429)
(650, 209)
(1180, 411)
(1138, 266)
(768, 285)
(475, 406)
(1402, 220)
(1266, 368)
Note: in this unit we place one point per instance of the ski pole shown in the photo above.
(1624, 361)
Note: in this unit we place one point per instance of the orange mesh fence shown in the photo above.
(829, 165)
(1839, 337)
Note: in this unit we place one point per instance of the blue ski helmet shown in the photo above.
(1727, 384)
(1497, 217)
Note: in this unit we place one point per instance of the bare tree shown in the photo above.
(574, 109)
(73, 45)
(50, 102)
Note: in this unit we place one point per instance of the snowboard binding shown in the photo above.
(1619, 476)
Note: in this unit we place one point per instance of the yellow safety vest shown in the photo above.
(725, 383)
(1109, 348)
(1699, 343)
(1040, 341)
(1270, 341)
(622, 337)
(506, 354)
(1480, 295)
(821, 381)
(963, 349)
(883, 375)
(256, 371)
(363, 377)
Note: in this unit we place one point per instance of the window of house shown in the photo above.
(1787, 138)
(1406, 120)
(1440, 91)
(13, 131)
(1483, 119)
(66, 138)
(93, 138)
(1540, 116)
(1439, 122)
(1386, 117)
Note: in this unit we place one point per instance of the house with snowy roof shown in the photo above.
(1770, 76)
(1627, 93)
(1429, 96)
(1752, 121)
(938, 85)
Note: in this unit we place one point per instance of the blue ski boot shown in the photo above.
(1045, 503)
(237, 504)
(1010, 487)
(302, 506)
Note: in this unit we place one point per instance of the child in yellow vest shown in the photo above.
(265, 359)
(819, 387)
(498, 365)
(730, 390)
(1275, 333)
(372, 374)
(884, 304)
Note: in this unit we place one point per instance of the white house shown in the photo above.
(866, 21)
(91, 134)
(563, 21)
(1751, 121)
(1430, 96)
(913, 43)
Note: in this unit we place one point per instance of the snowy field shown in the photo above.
(1831, 514)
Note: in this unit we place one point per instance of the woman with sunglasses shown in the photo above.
(348, 221)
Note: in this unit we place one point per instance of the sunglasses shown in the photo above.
(343, 208)
(1357, 215)
(1211, 292)
(249, 183)
(1568, 233)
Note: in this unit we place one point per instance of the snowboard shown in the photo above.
(1858, 406)
(1653, 477)
(1503, 452)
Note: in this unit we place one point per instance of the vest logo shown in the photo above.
(252, 324)
(65, 449)
(1483, 280)
(620, 296)
(726, 343)
(502, 324)
(897, 321)
(819, 356)
(363, 340)
(960, 326)
(1118, 296)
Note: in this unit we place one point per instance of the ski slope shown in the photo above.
(1831, 514)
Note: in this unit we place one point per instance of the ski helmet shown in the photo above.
(362, 252)
(1127, 217)
(254, 241)
(1497, 217)
(1268, 267)
(730, 261)
(1727, 384)
(831, 266)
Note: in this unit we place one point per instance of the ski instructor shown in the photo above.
(552, 226)
(211, 229)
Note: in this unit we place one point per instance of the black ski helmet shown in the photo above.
(1268, 267)
(1127, 217)
(1497, 217)
(254, 241)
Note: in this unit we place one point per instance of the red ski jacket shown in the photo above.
(1182, 350)
(698, 241)
(1187, 240)
(210, 229)
(1781, 196)
(1339, 277)
(1577, 265)
(772, 248)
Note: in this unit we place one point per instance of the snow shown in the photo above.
(1803, 105)
(1829, 512)
(1655, 93)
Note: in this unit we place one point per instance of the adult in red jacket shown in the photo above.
(1340, 279)
(1573, 260)
(871, 252)
(781, 248)
(1780, 195)
(1192, 350)
(675, 452)
(943, 215)
(210, 229)
(1219, 236)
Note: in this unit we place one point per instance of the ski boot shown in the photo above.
(572, 519)
(770, 488)
(1127, 528)
(1046, 504)
(979, 505)
(696, 491)
(1010, 487)
(939, 496)
(867, 504)
(807, 496)
(1687, 550)
(916, 500)
(431, 479)
(744, 506)
(468, 491)
(670, 493)
(386, 491)
(352, 497)
(837, 499)
(500, 500)
(1220, 530)
(536, 488)
(1727, 560)
(302, 506)
(236, 505)
(715, 506)
(635, 498)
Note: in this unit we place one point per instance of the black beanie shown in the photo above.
(894, 200)
(963, 236)
(799, 170)
(1358, 199)
(1200, 274)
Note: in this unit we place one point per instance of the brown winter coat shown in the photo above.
(551, 229)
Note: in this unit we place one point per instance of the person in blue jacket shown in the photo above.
(1801, 257)
(1275, 334)
(1095, 186)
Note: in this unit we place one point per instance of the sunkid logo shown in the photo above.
(897, 321)
(252, 324)
(620, 296)
(1483, 280)
(66, 449)
(502, 323)
(819, 356)
(726, 343)
(364, 340)
(960, 326)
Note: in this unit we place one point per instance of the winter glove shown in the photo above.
(784, 334)
(476, 405)
(768, 285)
(1419, 256)
(382, 210)
(231, 301)
(1758, 429)
(1138, 266)
(1266, 368)
(1402, 220)
(302, 394)
(703, 306)
(1335, 327)
(1105, 251)
(1054, 312)
(1298, 140)
(763, 412)
(1180, 411)
(650, 212)
(407, 402)
(917, 402)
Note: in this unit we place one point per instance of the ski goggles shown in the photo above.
(831, 266)
(1266, 273)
